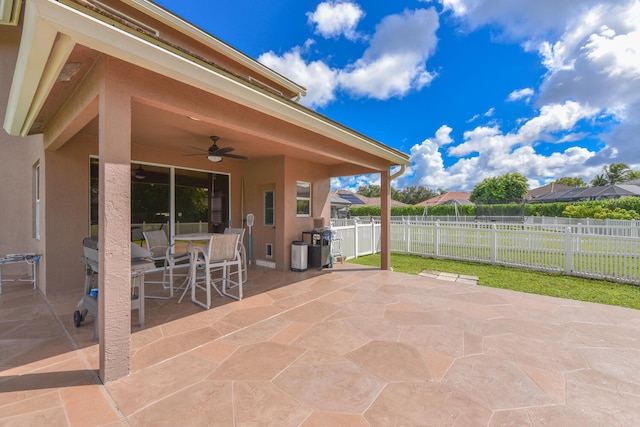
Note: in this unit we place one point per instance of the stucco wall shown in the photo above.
(17, 158)
(67, 214)
(296, 170)
(282, 173)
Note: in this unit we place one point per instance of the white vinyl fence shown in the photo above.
(589, 250)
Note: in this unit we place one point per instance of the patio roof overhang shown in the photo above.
(57, 33)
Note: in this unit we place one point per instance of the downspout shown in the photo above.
(397, 174)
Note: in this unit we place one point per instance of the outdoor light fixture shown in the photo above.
(140, 173)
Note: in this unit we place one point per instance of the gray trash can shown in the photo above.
(299, 255)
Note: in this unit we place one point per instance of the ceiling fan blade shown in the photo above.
(234, 156)
(195, 154)
(222, 151)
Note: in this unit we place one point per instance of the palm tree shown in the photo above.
(616, 173)
(599, 181)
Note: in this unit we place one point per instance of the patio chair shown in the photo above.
(220, 254)
(243, 253)
(162, 253)
(140, 261)
(336, 248)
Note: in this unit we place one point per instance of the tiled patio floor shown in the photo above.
(346, 347)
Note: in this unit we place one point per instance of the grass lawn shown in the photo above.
(533, 282)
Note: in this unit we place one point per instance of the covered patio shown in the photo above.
(110, 98)
(348, 346)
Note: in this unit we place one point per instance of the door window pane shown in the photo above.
(269, 208)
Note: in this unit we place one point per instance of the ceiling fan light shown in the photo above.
(214, 159)
(140, 173)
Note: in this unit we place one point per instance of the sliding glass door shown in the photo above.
(173, 199)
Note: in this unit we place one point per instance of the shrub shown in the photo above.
(622, 208)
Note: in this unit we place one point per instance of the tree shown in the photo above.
(599, 181)
(408, 195)
(369, 190)
(416, 194)
(615, 173)
(571, 182)
(504, 188)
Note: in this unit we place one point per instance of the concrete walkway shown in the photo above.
(349, 346)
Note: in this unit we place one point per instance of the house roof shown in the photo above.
(352, 198)
(546, 189)
(590, 193)
(59, 35)
(443, 198)
(336, 200)
(360, 200)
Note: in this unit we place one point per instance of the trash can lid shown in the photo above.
(299, 242)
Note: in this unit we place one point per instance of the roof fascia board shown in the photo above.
(95, 33)
(213, 42)
(35, 47)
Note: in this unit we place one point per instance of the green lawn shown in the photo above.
(519, 280)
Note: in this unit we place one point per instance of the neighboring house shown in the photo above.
(547, 189)
(339, 197)
(108, 112)
(582, 194)
(452, 197)
(339, 206)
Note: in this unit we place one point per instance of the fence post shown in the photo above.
(407, 235)
(568, 251)
(355, 233)
(436, 240)
(580, 231)
(493, 242)
(373, 237)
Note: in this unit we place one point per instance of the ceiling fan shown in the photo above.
(215, 154)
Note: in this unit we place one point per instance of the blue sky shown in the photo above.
(469, 88)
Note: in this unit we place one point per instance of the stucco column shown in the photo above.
(385, 219)
(115, 226)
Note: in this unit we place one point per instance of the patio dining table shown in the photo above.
(194, 239)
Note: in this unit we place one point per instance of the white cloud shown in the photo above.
(591, 50)
(554, 118)
(320, 80)
(525, 94)
(335, 18)
(487, 151)
(597, 62)
(395, 62)
(386, 77)
(393, 65)
(522, 19)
